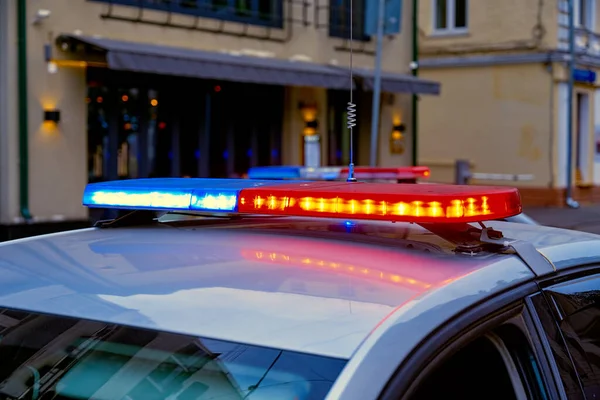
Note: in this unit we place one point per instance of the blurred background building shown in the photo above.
(502, 67)
(135, 88)
(92, 90)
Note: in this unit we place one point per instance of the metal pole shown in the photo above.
(377, 85)
(571, 69)
(415, 72)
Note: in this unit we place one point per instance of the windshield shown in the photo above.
(49, 357)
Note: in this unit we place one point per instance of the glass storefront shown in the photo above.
(150, 126)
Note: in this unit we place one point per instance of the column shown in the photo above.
(204, 138)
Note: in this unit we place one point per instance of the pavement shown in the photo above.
(586, 218)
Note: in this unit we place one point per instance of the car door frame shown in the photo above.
(566, 276)
(405, 380)
(471, 324)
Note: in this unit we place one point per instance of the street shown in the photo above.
(586, 218)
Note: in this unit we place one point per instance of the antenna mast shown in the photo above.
(351, 109)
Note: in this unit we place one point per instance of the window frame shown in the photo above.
(566, 281)
(451, 28)
(590, 9)
(338, 7)
(508, 307)
(277, 20)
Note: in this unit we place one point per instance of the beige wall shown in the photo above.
(399, 110)
(498, 117)
(293, 124)
(492, 25)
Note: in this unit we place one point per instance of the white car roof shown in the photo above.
(290, 283)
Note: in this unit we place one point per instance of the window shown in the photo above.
(47, 357)
(576, 336)
(499, 365)
(255, 12)
(339, 19)
(450, 16)
(584, 12)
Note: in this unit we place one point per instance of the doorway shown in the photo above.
(582, 139)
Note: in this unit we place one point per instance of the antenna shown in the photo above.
(351, 109)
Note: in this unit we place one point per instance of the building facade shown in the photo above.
(94, 90)
(502, 65)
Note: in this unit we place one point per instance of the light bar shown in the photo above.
(371, 201)
(294, 172)
(399, 173)
(337, 173)
(192, 194)
(275, 172)
(383, 201)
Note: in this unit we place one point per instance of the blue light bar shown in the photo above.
(294, 172)
(190, 194)
(275, 172)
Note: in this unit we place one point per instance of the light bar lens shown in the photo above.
(191, 194)
(275, 172)
(139, 199)
(392, 202)
(207, 201)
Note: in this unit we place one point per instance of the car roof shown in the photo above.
(301, 284)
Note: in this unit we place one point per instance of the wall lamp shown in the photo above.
(396, 145)
(397, 131)
(52, 116)
(309, 115)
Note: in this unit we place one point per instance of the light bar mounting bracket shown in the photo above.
(535, 261)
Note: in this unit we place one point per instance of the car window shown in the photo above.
(560, 353)
(498, 365)
(578, 312)
(49, 357)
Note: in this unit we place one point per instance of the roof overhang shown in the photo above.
(168, 60)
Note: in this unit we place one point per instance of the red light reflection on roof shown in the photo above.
(350, 269)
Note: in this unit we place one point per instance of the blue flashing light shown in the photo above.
(275, 172)
(294, 172)
(322, 173)
(214, 201)
(190, 194)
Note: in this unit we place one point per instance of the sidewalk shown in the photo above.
(586, 218)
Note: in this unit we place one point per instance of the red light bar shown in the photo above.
(381, 201)
(387, 172)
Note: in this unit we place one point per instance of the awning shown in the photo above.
(398, 83)
(166, 60)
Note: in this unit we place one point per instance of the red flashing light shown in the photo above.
(387, 202)
(388, 172)
(162, 125)
(217, 88)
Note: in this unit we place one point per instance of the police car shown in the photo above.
(418, 174)
(372, 174)
(258, 289)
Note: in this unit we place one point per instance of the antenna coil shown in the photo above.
(351, 115)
